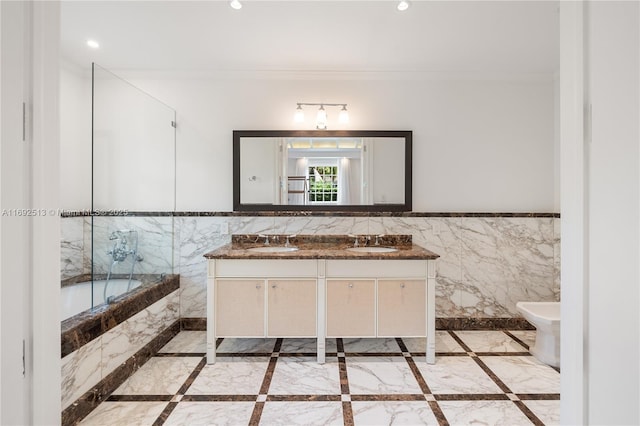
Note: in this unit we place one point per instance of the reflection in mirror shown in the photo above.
(320, 170)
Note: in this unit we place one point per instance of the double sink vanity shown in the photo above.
(321, 286)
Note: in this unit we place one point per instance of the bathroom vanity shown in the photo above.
(321, 287)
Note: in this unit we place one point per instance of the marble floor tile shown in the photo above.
(304, 376)
(524, 374)
(306, 346)
(302, 413)
(159, 376)
(246, 346)
(456, 375)
(496, 413)
(547, 411)
(392, 413)
(187, 342)
(230, 375)
(444, 343)
(380, 375)
(489, 341)
(381, 345)
(211, 413)
(124, 414)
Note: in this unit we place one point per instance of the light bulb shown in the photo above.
(344, 115)
(93, 44)
(298, 117)
(321, 119)
(235, 4)
(403, 5)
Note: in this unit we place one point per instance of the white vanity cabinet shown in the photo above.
(260, 298)
(351, 308)
(320, 298)
(381, 298)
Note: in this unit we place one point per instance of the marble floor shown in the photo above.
(480, 377)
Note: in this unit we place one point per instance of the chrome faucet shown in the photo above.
(377, 243)
(287, 244)
(266, 238)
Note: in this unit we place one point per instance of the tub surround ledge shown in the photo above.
(81, 407)
(81, 329)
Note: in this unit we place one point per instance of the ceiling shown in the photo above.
(431, 36)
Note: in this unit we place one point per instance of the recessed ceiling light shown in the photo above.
(403, 5)
(235, 4)
(93, 44)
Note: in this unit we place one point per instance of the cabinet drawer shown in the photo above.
(258, 268)
(401, 308)
(239, 308)
(351, 308)
(291, 308)
(376, 268)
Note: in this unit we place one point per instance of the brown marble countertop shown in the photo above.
(321, 247)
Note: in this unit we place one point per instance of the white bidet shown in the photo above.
(545, 317)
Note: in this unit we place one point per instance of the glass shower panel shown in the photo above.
(133, 188)
(133, 147)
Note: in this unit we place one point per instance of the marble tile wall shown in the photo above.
(84, 368)
(71, 247)
(487, 264)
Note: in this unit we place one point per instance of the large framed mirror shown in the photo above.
(320, 170)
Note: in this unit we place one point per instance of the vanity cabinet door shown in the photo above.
(239, 308)
(401, 308)
(351, 306)
(291, 308)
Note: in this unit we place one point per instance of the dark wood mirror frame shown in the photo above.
(406, 206)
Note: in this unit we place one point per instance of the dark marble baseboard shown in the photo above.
(79, 330)
(80, 408)
(483, 324)
(200, 324)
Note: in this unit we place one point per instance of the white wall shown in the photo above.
(613, 60)
(479, 144)
(75, 137)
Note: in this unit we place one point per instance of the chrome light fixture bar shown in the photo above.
(321, 116)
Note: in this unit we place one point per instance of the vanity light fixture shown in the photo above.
(403, 5)
(93, 44)
(321, 119)
(235, 4)
(321, 116)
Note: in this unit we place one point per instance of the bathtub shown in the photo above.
(76, 298)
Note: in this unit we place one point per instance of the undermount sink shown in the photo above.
(373, 249)
(274, 249)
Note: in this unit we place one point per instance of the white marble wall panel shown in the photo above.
(250, 224)
(195, 237)
(71, 247)
(119, 343)
(81, 371)
(487, 264)
(88, 244)
(505, 260)
(155, 243)
(556, 258)
(442, 236)
(315, 225)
